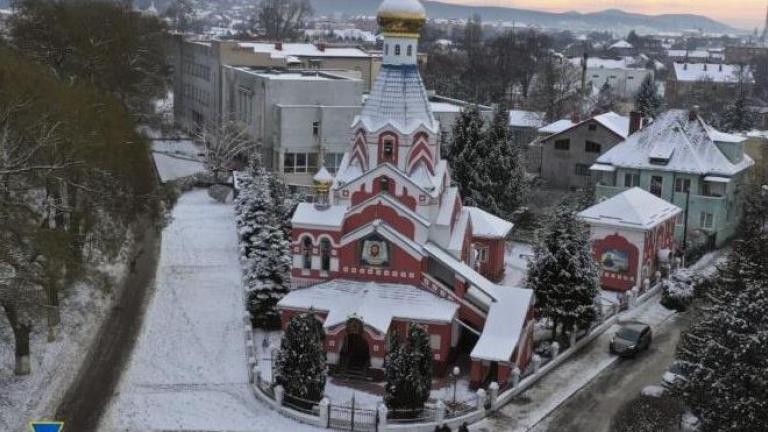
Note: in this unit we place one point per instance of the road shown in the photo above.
(85, 401)
(592, 408)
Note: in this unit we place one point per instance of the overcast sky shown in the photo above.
(746, 14)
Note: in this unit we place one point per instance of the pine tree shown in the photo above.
(408, 373)
(606, 100)
(736, 117)
(300, 363)
(269, 275)
(563, 273)
(466, 134)
(647, 100)
(724, 355)
(422, 359)
(252, 210)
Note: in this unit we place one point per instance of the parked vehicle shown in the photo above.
(631, 338)
(673, 375)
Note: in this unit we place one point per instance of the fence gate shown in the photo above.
(348, 418)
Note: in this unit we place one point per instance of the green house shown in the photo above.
(680, 158)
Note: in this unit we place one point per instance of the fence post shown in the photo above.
(493, 390)
(325, 412)
(554, 349)
(382, 411)
(481, 401)
(257, 373)
(251, 368)
(279, 395)
(536, 362)
(440, 412)
(572, 336)
(516, 376)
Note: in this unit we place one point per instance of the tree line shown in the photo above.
(74, 173)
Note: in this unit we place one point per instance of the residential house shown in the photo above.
(622, 48)
(687, 80)
(567, 155)
(685, 161)
(524, 126)
(625, 75)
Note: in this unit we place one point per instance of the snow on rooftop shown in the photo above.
(621, 44)
(504, 325)
(376, 304)
(521, 118)
(301, 50)
(445, 107)
(633, 208)
(607, 63)
(556, 127)
(487, 225)
(690, 146)
(618, 124)
(307, 214)
(719, 73)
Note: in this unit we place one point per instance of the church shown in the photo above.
(387, 243)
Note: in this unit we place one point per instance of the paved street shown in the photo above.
(592, 408)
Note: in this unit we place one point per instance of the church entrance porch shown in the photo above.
(355, 355)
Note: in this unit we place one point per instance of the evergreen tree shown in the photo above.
(252, 210)
(300, 363)
(606, 100)
(409, 373)
(647, 100)
(563, 273)
(736, 117)
(466, 133)
(724, 355)
(269, 275)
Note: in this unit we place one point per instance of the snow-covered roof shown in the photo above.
(684, 145)
(616, 123)
(629, 63)
(301, 50)
(530, 119)
(487, 225)
(621, 44)
(719, 73)
(504, 325)
(376, 304)
(698, 54)
(633, 208)
(398, 98)
(556, 127)
(307, 215)
(445, 107)
(323, 176)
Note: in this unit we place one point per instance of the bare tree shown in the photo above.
(281, 19)
(225, 145)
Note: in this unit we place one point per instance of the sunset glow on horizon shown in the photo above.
(746, 14)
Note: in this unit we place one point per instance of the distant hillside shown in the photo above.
(612, 19)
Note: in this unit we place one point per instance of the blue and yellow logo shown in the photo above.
(46, 426)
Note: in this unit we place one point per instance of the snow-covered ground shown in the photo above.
(556, 387)
(188, 370)
(176, 159)
(517, 256)
(54, 364)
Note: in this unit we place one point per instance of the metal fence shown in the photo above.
(426, 415)
(350, 418)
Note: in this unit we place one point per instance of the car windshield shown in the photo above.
(628, 333)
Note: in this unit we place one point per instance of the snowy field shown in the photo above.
(188, 371)
(177, 159)
(54, 364)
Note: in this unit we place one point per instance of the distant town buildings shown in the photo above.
(624, 75)
(687, 79)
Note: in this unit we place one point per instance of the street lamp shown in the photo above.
(455, 373)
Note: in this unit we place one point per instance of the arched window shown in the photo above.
(410, 50)
(325, 254)
(306, 251)
(384, 183)
(389, 149)
(397, 50)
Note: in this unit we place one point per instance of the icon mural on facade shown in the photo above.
(375, 252)
(615, 261)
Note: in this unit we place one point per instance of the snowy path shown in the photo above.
(188, 371)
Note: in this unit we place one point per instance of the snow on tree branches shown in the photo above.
(300, 364)
(408, 373)
(647, 100)
(563, 273)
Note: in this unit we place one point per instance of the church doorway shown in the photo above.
(355, 353)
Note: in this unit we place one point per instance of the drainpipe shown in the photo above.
(685, 224)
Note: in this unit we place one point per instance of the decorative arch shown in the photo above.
(306, 251)
(360, 150)
(385, 153)
(420, 152)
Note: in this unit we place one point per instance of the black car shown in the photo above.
(631, 338)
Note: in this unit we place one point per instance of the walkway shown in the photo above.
(188, 371)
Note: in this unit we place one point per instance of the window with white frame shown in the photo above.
(631, 180)
(481, 253)
(300, 163)
(706, 220)
(435, 341)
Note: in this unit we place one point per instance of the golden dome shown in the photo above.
(402, 16)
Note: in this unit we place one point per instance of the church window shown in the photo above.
(410, 50)
(389, 149)
(397, 50)
(384, 183)
(306, 250)
(325, 254)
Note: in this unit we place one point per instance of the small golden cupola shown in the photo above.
(402, 17)
(322, 182)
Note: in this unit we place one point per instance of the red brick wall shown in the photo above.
(389, 215)
(363, 195)
(400, 261)
(493, 269)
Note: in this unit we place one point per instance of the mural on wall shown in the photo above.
(615, 261)
(375, 252)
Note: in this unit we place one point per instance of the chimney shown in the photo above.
(279, 46)
(693, 114)
(635, 121)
